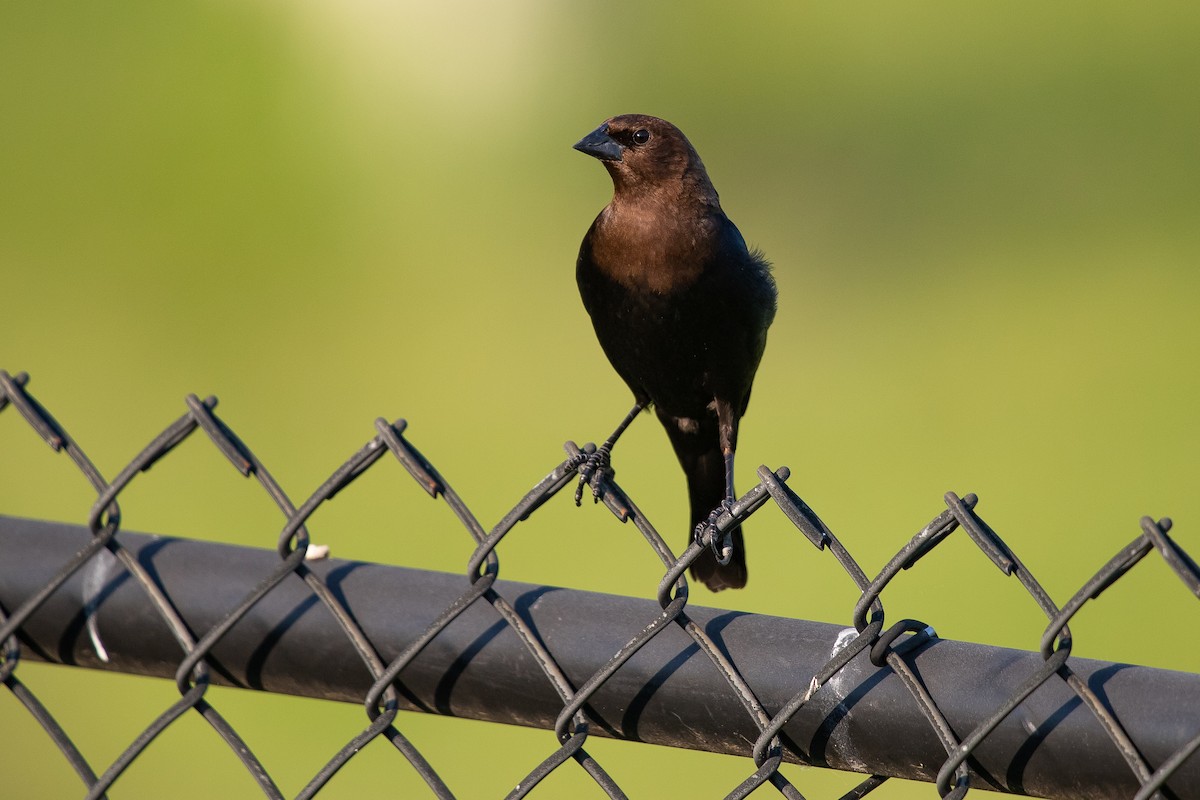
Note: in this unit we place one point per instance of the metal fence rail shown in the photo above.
(880, 698)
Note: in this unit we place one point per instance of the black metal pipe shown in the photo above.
(669, 693)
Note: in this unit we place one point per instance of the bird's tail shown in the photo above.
(704, 465)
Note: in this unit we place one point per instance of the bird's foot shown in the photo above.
(592, 471)
(721, 543)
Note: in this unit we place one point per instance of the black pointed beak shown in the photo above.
(600, 145)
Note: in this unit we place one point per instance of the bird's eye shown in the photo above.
(641, 136)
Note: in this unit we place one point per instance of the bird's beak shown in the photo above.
(600, 145)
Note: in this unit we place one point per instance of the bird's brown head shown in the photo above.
(641, 151)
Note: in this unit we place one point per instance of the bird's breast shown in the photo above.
(658, 253)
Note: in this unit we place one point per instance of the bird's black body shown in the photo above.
(680, 305)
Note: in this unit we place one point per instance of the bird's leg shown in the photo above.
(727, 430)
(593, 469)
(729, 493)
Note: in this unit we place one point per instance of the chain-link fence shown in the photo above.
(883, 699)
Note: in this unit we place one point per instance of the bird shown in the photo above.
(681, 307)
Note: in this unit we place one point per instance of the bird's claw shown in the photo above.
(721, 543)
(592, 472)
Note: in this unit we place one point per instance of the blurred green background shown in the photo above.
(983, 221)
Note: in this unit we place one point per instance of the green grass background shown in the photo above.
(983, 220)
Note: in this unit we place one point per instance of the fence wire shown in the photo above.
(888, 645)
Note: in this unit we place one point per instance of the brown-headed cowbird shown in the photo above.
(681, 308)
